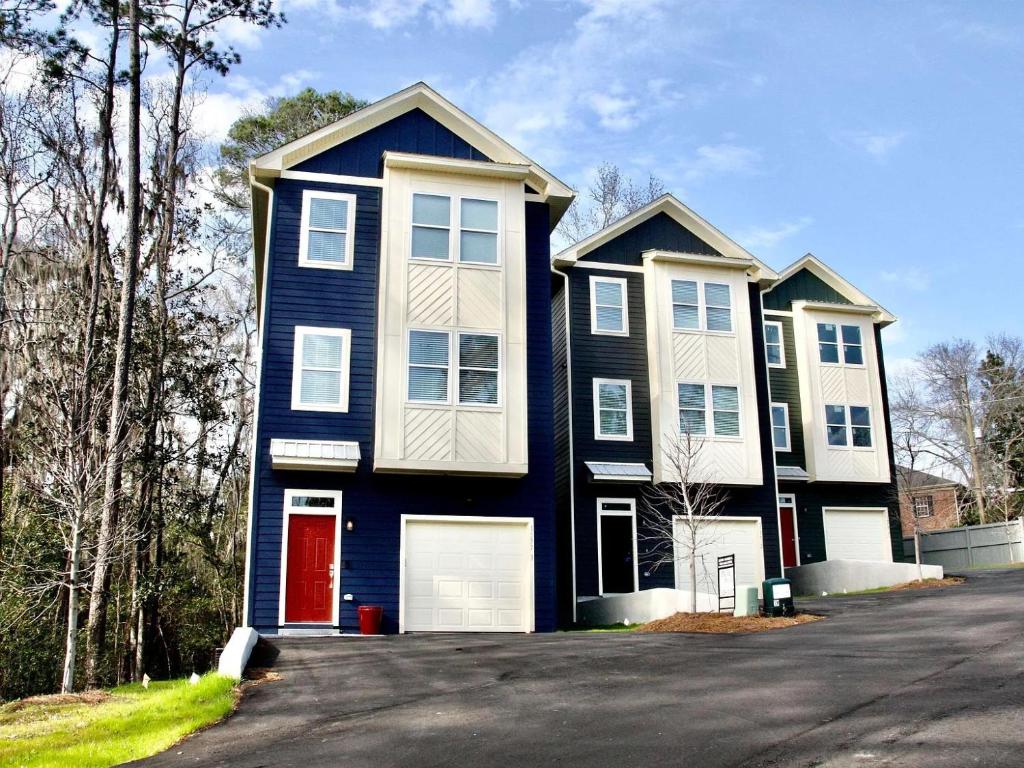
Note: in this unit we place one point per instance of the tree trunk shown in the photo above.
(917, 553)
(119, 400)
(972, 448)
(71, 646)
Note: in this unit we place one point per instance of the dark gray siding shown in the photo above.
(660, 232)
(562, 424)
(785, 388)
(801, 285)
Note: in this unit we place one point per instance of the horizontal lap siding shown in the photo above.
(785, 388)
(370, 554)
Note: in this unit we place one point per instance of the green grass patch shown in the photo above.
(100, 729)
(604, 628)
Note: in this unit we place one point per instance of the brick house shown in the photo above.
(930, 498)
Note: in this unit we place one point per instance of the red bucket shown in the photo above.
(369, 619)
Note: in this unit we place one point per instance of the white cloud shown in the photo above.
(214, 113)
(395, 14)
(766, 238)
(469, 13)
(877, 145)
(614, 112)
(717, 159)
(912, 278)
(240, 34)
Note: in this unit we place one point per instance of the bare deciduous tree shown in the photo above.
(608, 198)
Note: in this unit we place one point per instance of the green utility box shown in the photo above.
(778, 597)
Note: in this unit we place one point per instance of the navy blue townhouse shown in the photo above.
(404, 451)
(667, 333)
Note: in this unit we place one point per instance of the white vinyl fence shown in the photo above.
(971, 546)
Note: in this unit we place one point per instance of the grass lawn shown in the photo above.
(104, 728)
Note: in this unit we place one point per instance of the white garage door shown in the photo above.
(857, 534)
(718, 537)
(464, 575)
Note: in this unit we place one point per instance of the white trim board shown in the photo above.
(308, 195)
(624, 294)
(790, 501)
(598, 435)
(301, 332)
(287, 512)
(837, 282)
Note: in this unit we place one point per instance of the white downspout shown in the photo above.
(572, 463)
(254, 431)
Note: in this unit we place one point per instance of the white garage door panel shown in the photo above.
(467, 576)
(857, 534)
(741, 538)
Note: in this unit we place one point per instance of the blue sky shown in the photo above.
(886, 138)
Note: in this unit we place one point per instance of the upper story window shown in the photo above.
(326, 238)
(320, 369)
(435, 217)
(924, 506)
(479, 355)
(428, 366)
(843, 423)
(774, 349)
(479, 367)
(709, 309)
(694, 406)
(833, 338)
(780, 426)
(608, 306)
(613, 409)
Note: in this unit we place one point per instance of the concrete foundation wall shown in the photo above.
(855, 575)
(640, 607)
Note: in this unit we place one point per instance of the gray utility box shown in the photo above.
(778, 597)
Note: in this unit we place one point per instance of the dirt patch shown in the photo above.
(258, 675)
(58, 700)
(722, 623)
(948, 581)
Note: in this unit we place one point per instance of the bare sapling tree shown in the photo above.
(909, 422)
(677, 514)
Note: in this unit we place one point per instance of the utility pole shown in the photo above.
(972, 449)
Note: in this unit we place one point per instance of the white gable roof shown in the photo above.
(672, 207)
(418, 96)
(837, 282)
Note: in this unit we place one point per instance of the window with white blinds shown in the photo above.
(327, 236)
(479, 359)
(608, 306)
(696, 400)
(320, 374)
(428, 366)
(613, 409)
(701, 306)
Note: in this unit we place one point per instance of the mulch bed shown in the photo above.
(59, 700)
(948, 581)
(723, 623)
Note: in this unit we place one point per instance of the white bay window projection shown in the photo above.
(694, 406)
(478, 374)
(833, 339)
(780, 426)
(608, 306)
(434, 218)
(321, 369)
(613, 409)
(326, 239)
(848, 426)
(691, 305)
(773, 346)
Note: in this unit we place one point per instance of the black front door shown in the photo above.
(617, 568)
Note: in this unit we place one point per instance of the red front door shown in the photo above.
(310, 577)
(788, 537)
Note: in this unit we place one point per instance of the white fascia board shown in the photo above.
(671, 206)
(409, 161)
(834, 280)
(875, 312)
(418, 96)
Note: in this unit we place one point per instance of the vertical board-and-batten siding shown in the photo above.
(802, 285)
(369, 559)
(625, 357)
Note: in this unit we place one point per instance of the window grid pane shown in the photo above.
(326, 213)
(835, 421)
(428, 366)
(326, 246)
(726, 405)
(692, 416)
(478, 368)
(684, 304)
(434, 210)
(429, 243)
(478, 247)
(613, 410)
(479, 214)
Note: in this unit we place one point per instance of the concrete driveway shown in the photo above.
(926, 678)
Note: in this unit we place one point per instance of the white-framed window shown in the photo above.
(848, 426)
(717, 307)
(320, 369)
(327, 235)
(780, 426)
(475, 220)
(696, 400)
(924, 506)
(608, 306)
(701, 306)
(429, 358)
(840, 343)
(774, 347)
(613, 409)
(479, 368)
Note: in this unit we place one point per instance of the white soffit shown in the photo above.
(324, 455)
